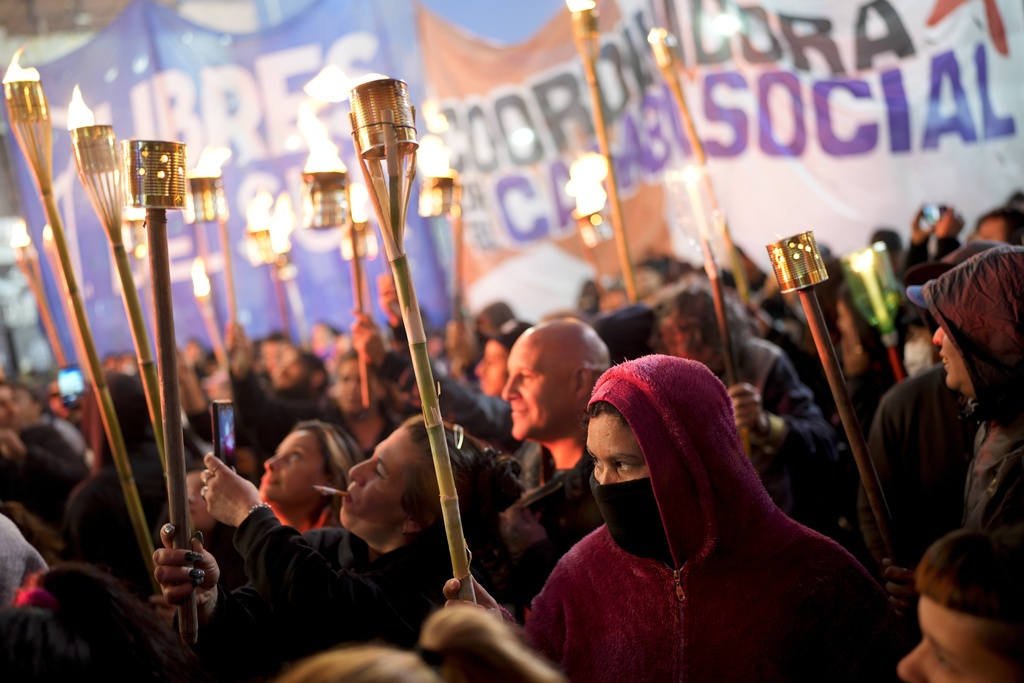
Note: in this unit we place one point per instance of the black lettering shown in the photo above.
(513, 117)
(820, 39)
(750, 16)
(896, 38)
(612, 110)
(481, 140)
(559, 100)
(723, 53)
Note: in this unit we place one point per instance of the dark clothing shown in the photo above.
(311, 591)
(920, 451)
(980, 306)
(269, 419)
(568, 512)
(97, 527)
(488, 418)
(792, 472)
(42, 481)
(918, 253)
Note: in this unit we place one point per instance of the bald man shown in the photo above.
(552, 370)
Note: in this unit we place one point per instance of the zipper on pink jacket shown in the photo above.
(680, 593)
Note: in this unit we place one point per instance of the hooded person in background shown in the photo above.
(979, 306)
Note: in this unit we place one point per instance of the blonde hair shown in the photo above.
(468, 644)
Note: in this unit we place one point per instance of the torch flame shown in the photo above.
(691, 175)
(358, 196)
(47, 234)
(863, 262)
(200, 283)
(323, 154)
(433, 157)
(330, 85)
(281, 224)
(19, 236)
(15, 73)
(437, 122)
(580, 5)
(79, 114)
(258, 214)
(210, 162)
(657, 35)
(586, 175)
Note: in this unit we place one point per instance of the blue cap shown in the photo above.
(916, 294)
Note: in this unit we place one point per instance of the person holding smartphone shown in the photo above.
(940, 221)
(376, 578)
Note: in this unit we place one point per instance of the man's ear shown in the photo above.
(582, 382)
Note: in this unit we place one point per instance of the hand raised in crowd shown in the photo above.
(950, 224)
(750, 413)
(181, 572)
(240, 351)
(228, 496)
(899, 584)
(11, 446)
(367, 339)
(387, 295)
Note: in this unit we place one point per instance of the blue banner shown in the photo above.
(155, 76)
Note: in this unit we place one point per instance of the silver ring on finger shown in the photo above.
(202, 492)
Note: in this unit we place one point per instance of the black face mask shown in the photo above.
(632, 516)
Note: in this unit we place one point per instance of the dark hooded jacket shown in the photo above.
(980, 305)
(754, 595)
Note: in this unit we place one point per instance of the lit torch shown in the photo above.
(384, 132)
(877, 297)
(29, 114)
(201, 290)
(206, 192)
(666, 48)
(441, 195)
(359, 243)
(586, 177)
(28, 261)
(99, 170)
(587, 36)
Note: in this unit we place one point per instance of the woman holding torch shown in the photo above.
(378, 577)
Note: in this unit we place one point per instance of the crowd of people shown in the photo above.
(641, 499)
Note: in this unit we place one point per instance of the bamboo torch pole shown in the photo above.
(584, 29)
(664, 45)
(384, 132)
(154, 175)
(28, 261)
(99, 169)
(29, 114)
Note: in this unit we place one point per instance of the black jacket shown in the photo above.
(311, 591)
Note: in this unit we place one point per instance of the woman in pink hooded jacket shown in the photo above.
(697, 575)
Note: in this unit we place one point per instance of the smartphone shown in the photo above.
(932, 213)
(222, 416)
(71, 384)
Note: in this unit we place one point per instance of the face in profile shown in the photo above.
(954, 648)
(492, 370)
(297, 467)
(540, 391)
(957, 377)
(373, 509)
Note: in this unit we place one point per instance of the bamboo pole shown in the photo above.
(28, 112)
(663, 44)
(358, 296)
(584, 23)
(29, 265)
(376, 113)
